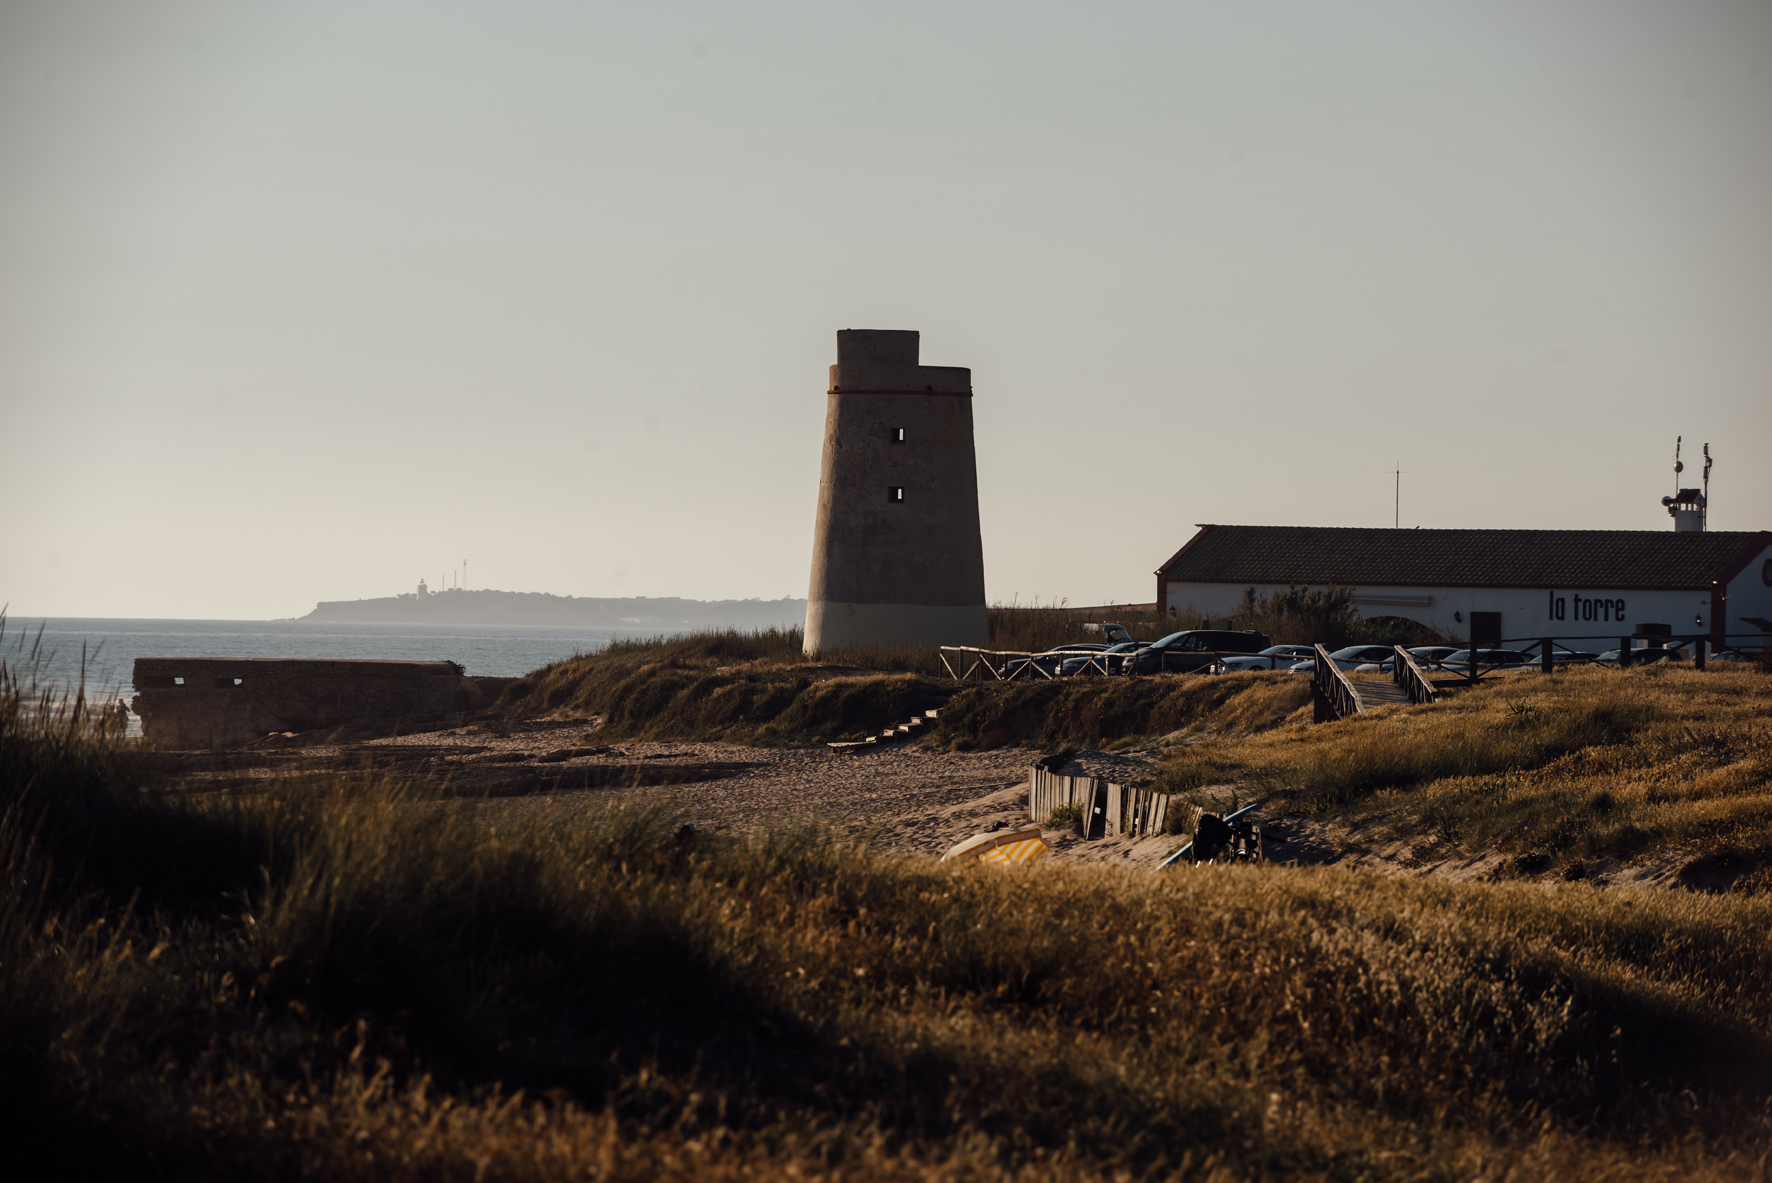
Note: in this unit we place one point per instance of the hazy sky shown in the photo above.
(305, 301)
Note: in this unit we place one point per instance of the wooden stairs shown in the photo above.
(891, 735)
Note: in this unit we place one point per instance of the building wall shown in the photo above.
(1604, 614)
(1750, 594)
(887, 571)
(199, 702)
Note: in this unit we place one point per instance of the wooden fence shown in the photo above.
(1111, 810)
(1408, 675)
(1332, 695)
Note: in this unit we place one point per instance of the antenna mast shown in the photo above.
(1397, 506)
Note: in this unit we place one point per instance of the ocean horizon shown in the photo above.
(100, 652)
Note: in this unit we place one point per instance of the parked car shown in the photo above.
(1487, 659)
(1565, 657)
(1353, 657)
(1108, 660)
(1643, 656)
(1116, 634)
(1426, 656)
(1274, 657)
(1429, 656)
(1049, 660)
(1193, 649)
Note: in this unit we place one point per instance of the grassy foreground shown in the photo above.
(377, 985)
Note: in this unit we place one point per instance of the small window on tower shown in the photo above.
(895, 493)
(898, 435)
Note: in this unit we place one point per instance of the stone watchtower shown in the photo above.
(896, 554)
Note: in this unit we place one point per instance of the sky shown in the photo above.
(308, 301)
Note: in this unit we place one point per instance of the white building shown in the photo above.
(1599, 584)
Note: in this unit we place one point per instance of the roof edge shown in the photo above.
(1199, 533)
(1749, 552)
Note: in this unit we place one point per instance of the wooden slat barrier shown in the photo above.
(964, 663)
(1332, 695)
(1408, 675)
(1112, 810)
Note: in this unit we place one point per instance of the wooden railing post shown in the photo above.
(1412, 678)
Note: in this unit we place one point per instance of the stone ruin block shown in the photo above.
(209, 702)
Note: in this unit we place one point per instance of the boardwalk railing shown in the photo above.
(1332, 694)
(964, 663)
(992, 665)
(1408, 675)
(1108, 810)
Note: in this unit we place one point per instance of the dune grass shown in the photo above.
(760, 688)
(374, 983)
(755, 688)
(1589, 763)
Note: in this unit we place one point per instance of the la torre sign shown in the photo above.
(1586, 608)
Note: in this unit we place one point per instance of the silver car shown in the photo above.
(1274, 657)
(1351, 658)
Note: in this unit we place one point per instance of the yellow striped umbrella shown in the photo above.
(1012, 854)
(1006, 848)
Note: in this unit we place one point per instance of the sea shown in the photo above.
(100, 653)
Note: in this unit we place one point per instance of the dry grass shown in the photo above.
(755, 689)
(1118, 712)
(372, 984)
(1591, 763)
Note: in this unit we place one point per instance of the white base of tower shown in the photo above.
(832, 625)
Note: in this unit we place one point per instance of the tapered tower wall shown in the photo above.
(896, 554)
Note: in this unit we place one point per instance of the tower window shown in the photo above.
(897, 435)
(895, 493)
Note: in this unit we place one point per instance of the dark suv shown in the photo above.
(1193, 650)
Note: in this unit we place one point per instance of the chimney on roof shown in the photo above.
(1687, 506)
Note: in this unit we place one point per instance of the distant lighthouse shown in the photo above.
(896, 555)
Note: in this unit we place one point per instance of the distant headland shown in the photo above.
(461, 606)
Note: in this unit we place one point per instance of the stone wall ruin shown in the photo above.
(209, 702)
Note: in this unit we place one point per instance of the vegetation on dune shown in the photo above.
(376, 984)
(1589, 763)
(755, 688)
(742, 687)
(1117, 712)
(759, 688)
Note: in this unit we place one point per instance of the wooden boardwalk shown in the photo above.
(1372, 695)
(1335, 696)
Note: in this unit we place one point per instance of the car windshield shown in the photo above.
(1283, 650)
(1123, 646)
(1168, 640)
(1351, 652)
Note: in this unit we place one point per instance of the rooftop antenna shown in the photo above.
(1688, 507)
(1397, 507)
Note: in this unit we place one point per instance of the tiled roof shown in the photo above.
(1643, 559)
